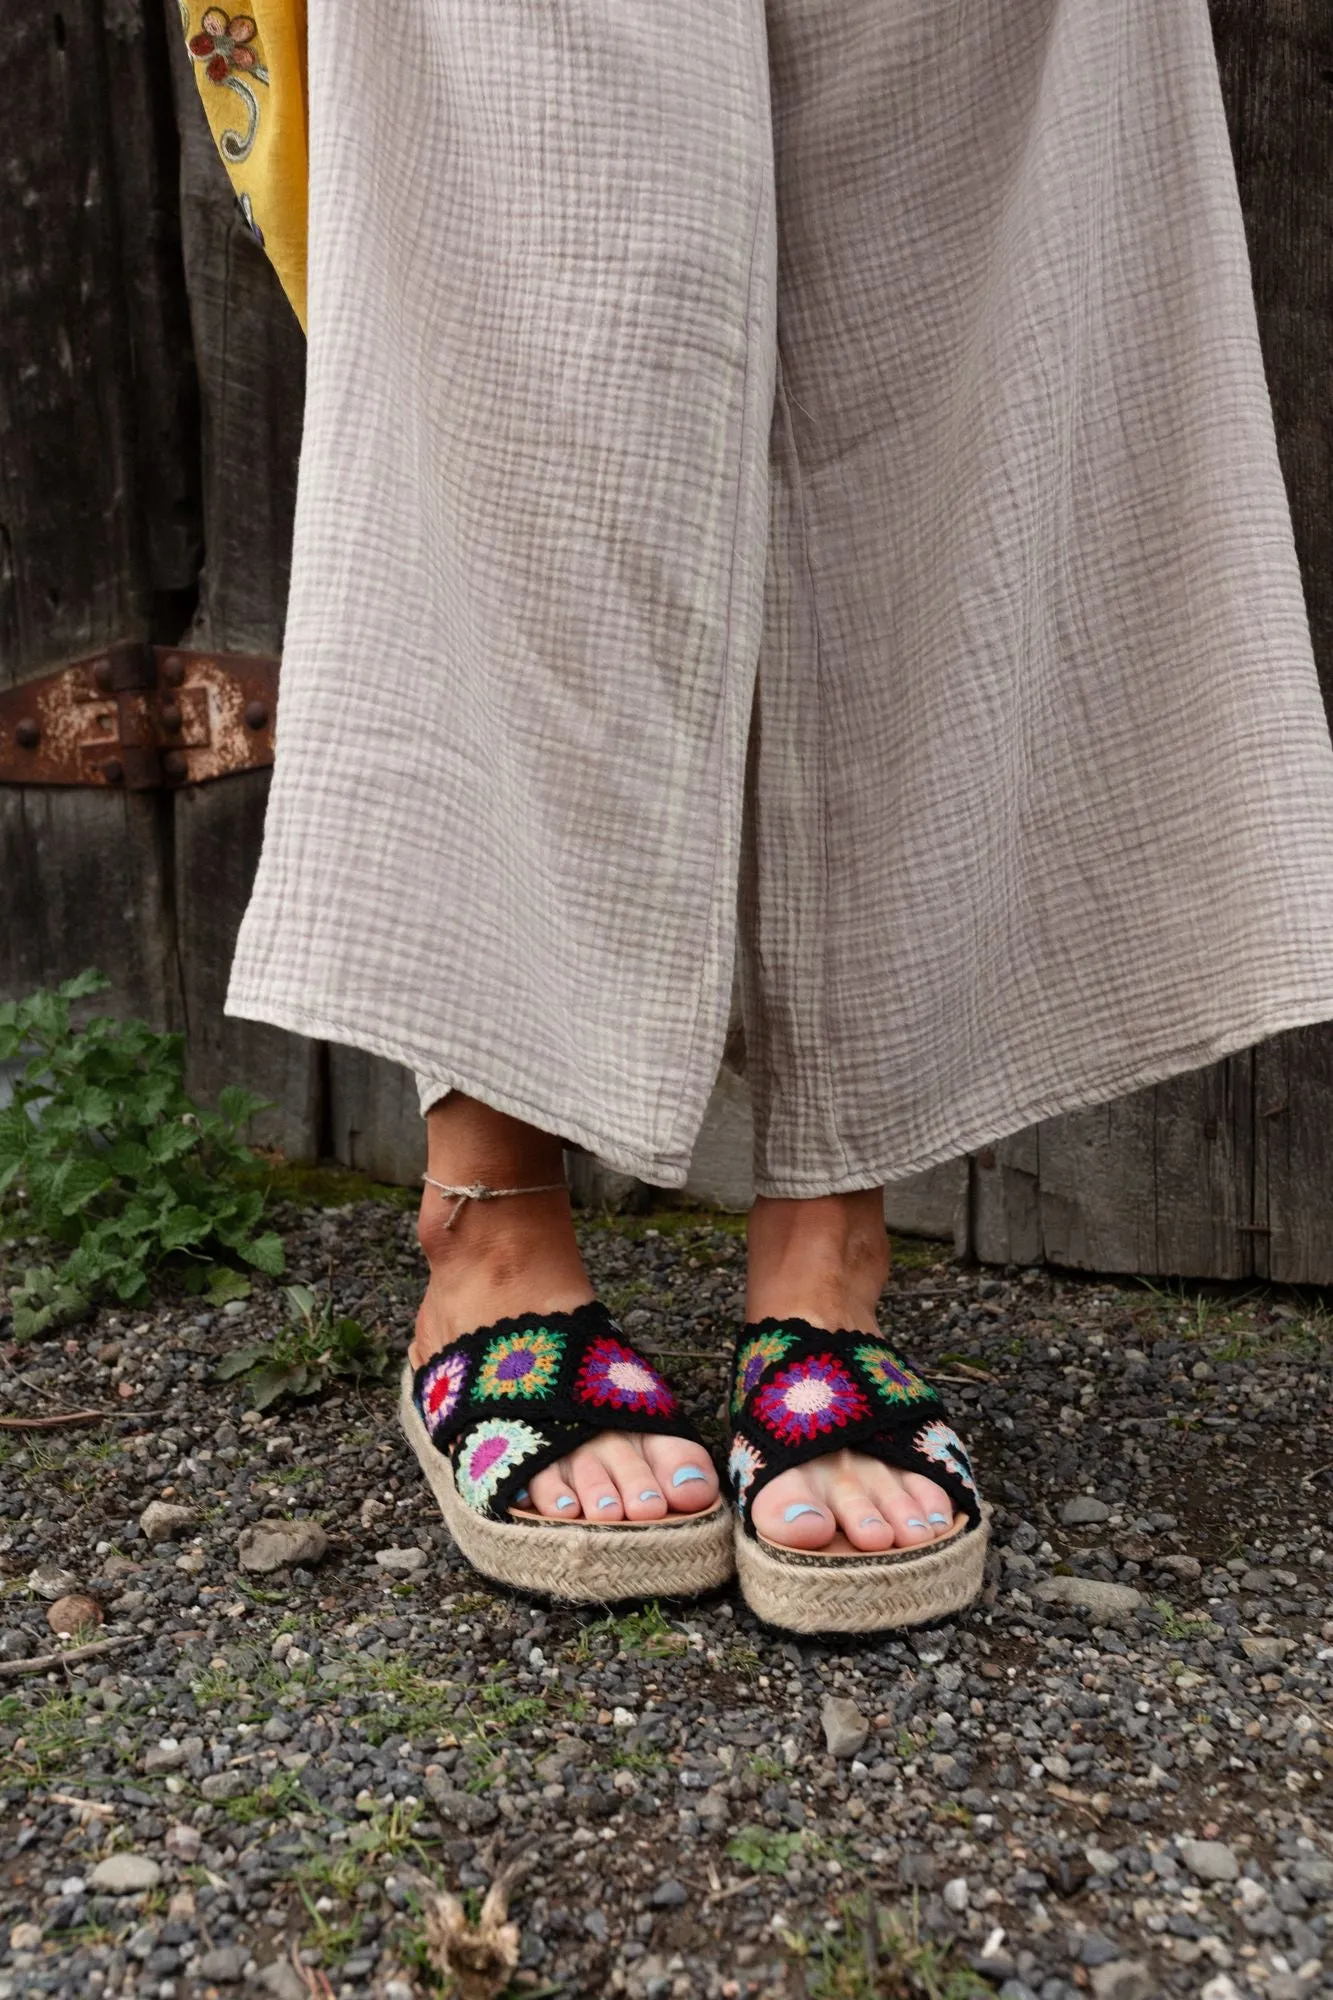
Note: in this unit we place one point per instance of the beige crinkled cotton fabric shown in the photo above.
(884, 371)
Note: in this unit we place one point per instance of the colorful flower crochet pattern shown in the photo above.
(521, 1364)
(799, 1391)
(489, 1451)
(615, 1375)
(810, 1397)
(442, 1387)
(755, 1356)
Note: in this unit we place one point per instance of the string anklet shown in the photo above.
(480, 1192)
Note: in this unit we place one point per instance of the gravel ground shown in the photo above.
(1112, 1778)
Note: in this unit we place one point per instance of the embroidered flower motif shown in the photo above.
(745, 1460)
(945, 1446)
(489, 1452)
(614, 1374)
(811, 1396)
(754, 1357)
(441, 1389)
(895, 1382)
(521, 1364)
(224, 44)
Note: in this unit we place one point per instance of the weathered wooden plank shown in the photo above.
(374, 1123)
(1004, 1213)
(1294, 1156)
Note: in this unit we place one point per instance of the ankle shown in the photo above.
(513, 1256)
(826, 1260)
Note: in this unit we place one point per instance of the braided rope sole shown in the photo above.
(802, 1591)
(574, 1560)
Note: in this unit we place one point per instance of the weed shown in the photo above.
(1176, 1627)
(762, 1851)
(54, 1732)
(282, 1794)
(646, 1631)
(881, 1955)
(104, 1153)
(306, 1354)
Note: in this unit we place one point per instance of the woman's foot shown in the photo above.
(519, 1256)
(826, 1261)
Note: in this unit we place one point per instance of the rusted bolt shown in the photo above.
(256, 715)
(171, 717)
(174, 764)
(173, 670)
(112, 771)
(103, 676)
(27, 735)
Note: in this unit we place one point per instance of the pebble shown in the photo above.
(1209, 1860)
(845, 1728)
(271, 1545)
(164, 1521)
(69, 1615)
(1264, 1649)
(668, 1895)
(956, 1894)
(281, 1979)
(219, 1786)
(402, 1562)
(126, 1874)
(25, 1937)
(225, 1963)
(1104, 1600)
(1122, 1979)
(471, 1811)
(164, 1756)
(15, 1645)
(183, 1841)
(1083, 1511)
(48, 1580)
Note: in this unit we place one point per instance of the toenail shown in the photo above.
(651, 1494)
(871, 1521)
(939, 1520)
(565, 1500)
(799, 1507)
(684, 1473)
(606, 1501)
(913, 1522)
(521, 1499)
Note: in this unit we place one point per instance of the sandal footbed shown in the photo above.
(580, 1562)
(806, 1591)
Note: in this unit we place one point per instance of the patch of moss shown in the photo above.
(318, 1184)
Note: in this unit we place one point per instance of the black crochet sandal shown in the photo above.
(798, 1392)
(487, 1414)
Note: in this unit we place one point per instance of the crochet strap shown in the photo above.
(799, 1391)
(511, 1398)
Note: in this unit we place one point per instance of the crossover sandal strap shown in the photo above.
(510, 1399)
(798, 1392)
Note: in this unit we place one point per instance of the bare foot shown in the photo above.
(520, 1256)
(826, 1261)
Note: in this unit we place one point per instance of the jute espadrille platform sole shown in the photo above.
(804, 1590)
(577, 1561)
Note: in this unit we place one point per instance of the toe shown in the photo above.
(684, 1472)
(640, 1489)
(905, 1514)
(860, 1515)
(933, 1504)
(599, 1496)
(791, 1513)
(551, 1493)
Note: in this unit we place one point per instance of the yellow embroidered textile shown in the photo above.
(251, 73)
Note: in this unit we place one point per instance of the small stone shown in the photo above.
(1122, 1979)
(125, 1875)
(1263, 1649)
(15, 1645)
(1083, 1511)
(183, 1842)
(1314, 1874)
(1100, 1860)
(1258, 1581)
(220, 1785)
(623, 1718)
(281, 1979)
(162, 1521)
(164, 1756)
(25, 1937)
(1220, 1988)
(668, 1895)
(956, 1895)
(845, 1728)
(48, 1580)
(1188, 1568)
(69, 1615)
(1104, 1600)
(465, 1810)
(225, 1963)
(1209, 1860)
(271, 1545)
(402, 1562)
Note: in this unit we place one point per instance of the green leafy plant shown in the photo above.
(103, 1150)
(306, 1354)
(762, 1851)
(881, 1955)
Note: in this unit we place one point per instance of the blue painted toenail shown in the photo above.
(799, 1507)
(566, 1501)
(872, 1521)
(606, 1501)
(651, 1494)
(939, 1520)
(521, 1499)
(913, 1522)
(683, 1474)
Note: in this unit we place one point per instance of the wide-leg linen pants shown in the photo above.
(797, 483)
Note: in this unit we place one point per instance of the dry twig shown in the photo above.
(11, 1669)
(54, 1423)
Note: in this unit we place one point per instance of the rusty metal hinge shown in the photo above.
(137, 717)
